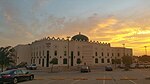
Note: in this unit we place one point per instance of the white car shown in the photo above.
(31, 67)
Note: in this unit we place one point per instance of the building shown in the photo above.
(70, 52)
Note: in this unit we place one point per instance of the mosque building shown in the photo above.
(78, 50)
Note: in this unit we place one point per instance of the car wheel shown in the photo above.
(31, 77)
(15, 81)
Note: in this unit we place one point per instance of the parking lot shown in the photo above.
(118, 76)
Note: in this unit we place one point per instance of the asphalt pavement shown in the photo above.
(97, 76)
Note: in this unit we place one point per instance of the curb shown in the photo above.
(128, 79)
(103, 78)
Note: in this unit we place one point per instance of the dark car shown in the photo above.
(108, 68)
(1, 82)
(31, 67)
(14, 76)
(85, 69)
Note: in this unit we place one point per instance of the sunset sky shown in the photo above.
(114, 21)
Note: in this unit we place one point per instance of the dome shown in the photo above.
(80, 37)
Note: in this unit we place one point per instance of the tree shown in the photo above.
(53, 61)
(144, 58)
(6, 56)
(127, 61)
(79, 61)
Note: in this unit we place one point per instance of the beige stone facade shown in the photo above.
(41, 52)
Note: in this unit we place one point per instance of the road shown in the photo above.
(119, 76)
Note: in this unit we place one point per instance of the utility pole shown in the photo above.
(123, 52)
(145, 50)
(68, 49)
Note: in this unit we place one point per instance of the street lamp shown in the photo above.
(68, 49)
(145, 50)
(124, 49)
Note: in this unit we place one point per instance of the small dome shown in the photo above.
(80, 37)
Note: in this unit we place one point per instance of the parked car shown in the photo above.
(1, 82)
(31, 67)
(0, 69)
(133, 66)
(108, 68)
(121, 66)
(16, 75)
(85, 69)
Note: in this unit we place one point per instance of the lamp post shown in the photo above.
(68, 50)
(145, 50)
(124, 49)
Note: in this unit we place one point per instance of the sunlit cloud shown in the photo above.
(117, 28)
(108, 22)
(144, 32)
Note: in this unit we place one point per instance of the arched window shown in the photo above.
(39, 61)
(95, 53)
(65, 61)
(108, 60)
(55, 53)
(102, 54)
(102, 60)
(78, 53)
(96, 60)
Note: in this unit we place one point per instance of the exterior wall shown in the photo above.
(43, 51)
(23, 54)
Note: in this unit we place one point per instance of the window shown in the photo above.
(102, 54)
(47, 53)
(65, 53)
(55, 53)
(64, 61)
(39, 61)
(118, 54)
(24, 71)
(102, 60)
(78, 53)
(112, 54)
(108, 60)
(96, 60)
(19, 72)
(95, 53)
